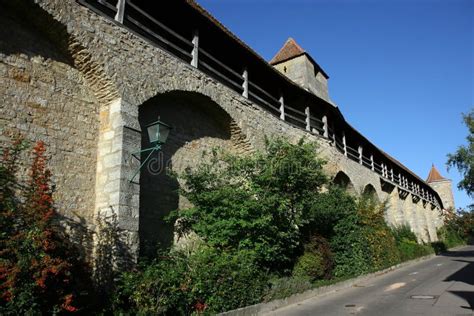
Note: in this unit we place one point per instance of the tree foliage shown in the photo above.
(463, 158)
(259, 218)
(327, 209)
(257, 202)
(363, 242)
(458, 228)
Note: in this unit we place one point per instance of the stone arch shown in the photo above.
(198, 126)
(342, 180)
(371, 192)
(104, 89)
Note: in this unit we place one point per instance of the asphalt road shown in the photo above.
(443, 285)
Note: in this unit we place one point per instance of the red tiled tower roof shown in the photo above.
(290, 50)
(434, 175)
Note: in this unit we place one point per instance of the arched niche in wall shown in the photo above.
(370, 192)
(198, 126)
(342, 180)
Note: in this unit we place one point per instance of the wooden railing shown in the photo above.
(389, 175)
(127, 13)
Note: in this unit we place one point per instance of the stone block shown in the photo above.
(112, 160)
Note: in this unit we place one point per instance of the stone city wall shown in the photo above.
(91, 88)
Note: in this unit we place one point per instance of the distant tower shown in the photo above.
(442, 186)
(296, 64)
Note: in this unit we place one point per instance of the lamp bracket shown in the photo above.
(156, 148)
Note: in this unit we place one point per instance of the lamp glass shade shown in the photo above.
(164, 132)
(158, 132)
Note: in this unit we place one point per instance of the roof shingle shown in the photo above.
(434, 175)
(290, 50)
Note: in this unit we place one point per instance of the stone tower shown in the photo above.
(296, 64)
(442, 186)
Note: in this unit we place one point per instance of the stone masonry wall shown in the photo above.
(445, 192)
(126, 74)
(44, 97)
(301, 70)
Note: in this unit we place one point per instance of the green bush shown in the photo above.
(403, 232)
(156, 288)
(450, 236)
(466, 222)
(257, 202)
(363, 242)
(410, 249)
(383, 248)
(209, 280)
(326, 211)
(316, 262)
(309, 265)
(457, 229)
(438, 247)
(351, 248)
(407, 244)
(286, 286)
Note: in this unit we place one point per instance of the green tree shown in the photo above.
(327, 210)
(463, 158)
(257, 202)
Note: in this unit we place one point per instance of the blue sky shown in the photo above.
(401, 71)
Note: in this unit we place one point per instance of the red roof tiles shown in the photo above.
(434, 175)
(290, 50)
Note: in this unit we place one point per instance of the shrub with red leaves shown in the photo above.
(37, 264)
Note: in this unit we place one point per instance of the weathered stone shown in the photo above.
(90, 101)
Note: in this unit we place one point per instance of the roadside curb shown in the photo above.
(267, 307)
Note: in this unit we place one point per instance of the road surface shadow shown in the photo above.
(459, 253)
(464, 275)
(468, 296)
